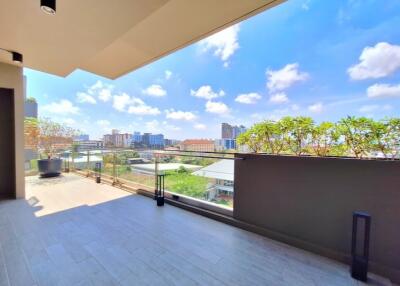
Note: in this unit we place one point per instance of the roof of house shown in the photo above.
(221, 170)
(197, 141)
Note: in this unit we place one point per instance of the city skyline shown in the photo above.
(281, 62)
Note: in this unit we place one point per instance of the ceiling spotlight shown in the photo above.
(16, 57)
(48, 6)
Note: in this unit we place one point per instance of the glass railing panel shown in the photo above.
(206, 177)
(136, 168)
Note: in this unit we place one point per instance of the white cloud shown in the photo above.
(224, 43)
(279, 98)
(284, 78)
(217, 107)
(383, 90)
(155, 90)
(134, 105)
(200, 126)
(206, 92)
(121, 101)
(143, 109)
(248, 98)
(85, 98)
(168, 74)
(156, 126)
(101, 90)
(64, 106)
(180, 115)
(376, 62)
(105, 94)
(316, 108)
(103, 123)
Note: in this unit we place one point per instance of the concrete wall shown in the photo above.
(308, 202)
(12, 77)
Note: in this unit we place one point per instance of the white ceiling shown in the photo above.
(111, 38)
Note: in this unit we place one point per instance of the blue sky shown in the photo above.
(318, 58)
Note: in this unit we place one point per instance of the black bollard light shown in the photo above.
(160, 191)
(98, 172)
(360, 254)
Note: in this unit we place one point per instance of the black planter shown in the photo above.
(160, 201)
(49, 167)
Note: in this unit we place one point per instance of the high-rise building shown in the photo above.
(231, 131)
(136, 137)
(225, 144)
(226, 131)
(147, 140)
(171, 142)
(117, 140)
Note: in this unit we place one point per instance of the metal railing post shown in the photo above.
(114, 168)
(156, 176)
(87, 163)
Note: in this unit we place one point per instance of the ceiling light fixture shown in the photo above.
(16, 57)
(48, 6)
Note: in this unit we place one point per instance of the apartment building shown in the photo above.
(199, 145)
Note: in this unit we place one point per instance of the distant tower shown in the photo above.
(226, 131)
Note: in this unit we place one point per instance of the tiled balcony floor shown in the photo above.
(72, 231)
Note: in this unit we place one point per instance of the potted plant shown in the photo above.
(52, 136)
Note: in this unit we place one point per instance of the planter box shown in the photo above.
(49, 167)
(308, 202)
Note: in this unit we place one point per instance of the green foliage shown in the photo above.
(197, 161)
(325, 140)
(352, 136)
(185, 183)
(357, 135)
(30, 99)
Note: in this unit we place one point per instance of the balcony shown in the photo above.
(72, 231)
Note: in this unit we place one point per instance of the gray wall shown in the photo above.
(308, 202)
(12, 77)
(7, 145)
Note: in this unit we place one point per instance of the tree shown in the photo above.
(357, 135)
(325, 140)
(30, 99)
(31, 133)
(297, 133)
(385, 137)
(251, 139)
(269, 134)
(53, 136)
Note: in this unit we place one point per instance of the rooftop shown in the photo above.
(197, 141)
(221, 170)
(71, 231)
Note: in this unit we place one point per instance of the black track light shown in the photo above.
(16, 57)
(48, 6)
